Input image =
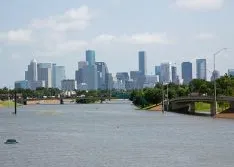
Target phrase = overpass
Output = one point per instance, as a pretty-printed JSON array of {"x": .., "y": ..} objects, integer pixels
[{"x": 188, "y": 103}]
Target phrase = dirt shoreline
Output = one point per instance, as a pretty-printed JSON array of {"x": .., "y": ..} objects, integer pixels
[{"x": 156, "y": 108}]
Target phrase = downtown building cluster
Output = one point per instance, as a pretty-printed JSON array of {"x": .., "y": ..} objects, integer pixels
[
  {"x": 42, "y": 75},
  {"x": 92, "y": 75}
]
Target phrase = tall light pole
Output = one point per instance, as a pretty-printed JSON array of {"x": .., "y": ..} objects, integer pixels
[
  {"x": 162, "y": 98},
  {"x": 167, "y": 98},
  {"x": 215, "y": 88}
]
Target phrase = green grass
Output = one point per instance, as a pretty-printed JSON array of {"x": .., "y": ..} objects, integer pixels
[
  {"x": 148, "y": 107},
  {"x": 7, "y": 103},
  {"x": 200, "y": 106}
]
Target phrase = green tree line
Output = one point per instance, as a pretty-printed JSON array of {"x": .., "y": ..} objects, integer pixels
[{"x": 149, "y": 96}]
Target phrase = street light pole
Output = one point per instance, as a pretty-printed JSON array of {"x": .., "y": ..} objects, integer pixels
[
  {"x": 215, "y": 87},
  {"x": 167, "y": 98},
  {"x": 162, "y": 98}
]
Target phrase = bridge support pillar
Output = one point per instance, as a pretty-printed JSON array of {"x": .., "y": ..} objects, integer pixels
[
  {"x": 192, "y": 108},
  {"x": 213, "y": 108}
]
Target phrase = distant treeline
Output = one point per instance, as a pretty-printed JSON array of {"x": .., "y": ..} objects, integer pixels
[{"x": 149, "y": 96}]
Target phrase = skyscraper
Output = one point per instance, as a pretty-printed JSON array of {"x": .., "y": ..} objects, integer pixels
[
  {"x": 166, "y": 73},
  {"x": 80, "y": 75},
  {"x": 90, "y": 77},
  {"x": 90, "y": 57},
  {"x": 174, "y": 74},
  {"x": 142, "y": 62},
  {"x": 81, "y": 64},
  {"x": 157, "y": 70},
  {"x": 58, "y": 74},
  {"x": 90, "y": 71},
  {"x": 109, "y": 81},
  {"x": 201, "y": 69},
  {"x": 44, "y": 72},
  {"x": 187, "y": 72},
  {"x": 102, "y": 71},
  {"x": 31, "y": 73}
]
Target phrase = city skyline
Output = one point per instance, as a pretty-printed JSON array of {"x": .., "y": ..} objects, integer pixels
[
  {"x": 186, "y": 31},
  {"x": 52, "y": 74}
]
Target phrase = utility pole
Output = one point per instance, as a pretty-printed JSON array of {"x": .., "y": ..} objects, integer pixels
[
  {"x": 15, "y": 102},
  {"x": 215, "y": 87},
  {"x": 162, "y": 98},
  {"x": 167, "y": 98}
]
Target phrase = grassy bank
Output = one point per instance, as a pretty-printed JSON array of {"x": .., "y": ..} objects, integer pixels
[
  {"x": 200, "y": 106},
  {"x": 7, "y": 103}
]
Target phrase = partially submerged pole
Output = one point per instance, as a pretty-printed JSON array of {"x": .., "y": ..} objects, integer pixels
[{"x": 15, "y": 103}]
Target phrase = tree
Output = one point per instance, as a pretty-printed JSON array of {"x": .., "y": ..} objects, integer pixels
[{"x": 153, "y": 95}]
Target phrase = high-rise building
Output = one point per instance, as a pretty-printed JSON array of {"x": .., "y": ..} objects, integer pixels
[
  {"x": 90, "y": 57},
  {"x": 80, "y": 75},
  {"x": 21, "y": 84},
  {"x": 165, "y": 74},
  {"x": 201, "y": 69},
  {"x": 187, "y": 72},
  {"x": 82, "y": 64},
  {"x": 215, "y": 75},
  {"x": 102, "y": 71},
  {"x": 109, "y": 81},
  {"x": 33, "y": 85},
  {"x": 90, "y": 77},
  {"x": 134, "y": 75},
  {"x": 124, "y": 76},
  {"x": 44, "y": 72},
  {"x": 69, "y": 85},
  {"x": 58, "y": 74},
  {"x": 157, "y": 70},
  {"x": 90, "y": 71},
  {"x": 142, "y": 62},
  {"x": 174, "y": 74},
  {"x": 31, "y": 73},
  {"x": 231, "y": 72}
]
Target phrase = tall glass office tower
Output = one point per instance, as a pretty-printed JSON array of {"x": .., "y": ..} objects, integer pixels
[
  {"x": 142, "y": 62},
  {"x": 90, "y": 57},
  {"x": 201, "y": 69},
  {"x": 187, "y": 72}
]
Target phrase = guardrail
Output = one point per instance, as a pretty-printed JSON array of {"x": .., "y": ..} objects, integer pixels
[{"x": 203, "y": 98}]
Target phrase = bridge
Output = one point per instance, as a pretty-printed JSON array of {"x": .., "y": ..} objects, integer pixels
[{"x": 188, "y": 103}]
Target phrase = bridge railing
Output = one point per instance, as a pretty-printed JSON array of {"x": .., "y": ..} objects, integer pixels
[{"x": 204, "y": 98}]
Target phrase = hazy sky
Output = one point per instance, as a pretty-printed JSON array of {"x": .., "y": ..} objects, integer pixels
[{"x": 61, "y": 30}]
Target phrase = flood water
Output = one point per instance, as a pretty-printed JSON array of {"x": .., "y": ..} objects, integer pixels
[{"x": 112, "y": 135}]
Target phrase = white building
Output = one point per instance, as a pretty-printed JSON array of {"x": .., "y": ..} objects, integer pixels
[
  {"x": 165, "y": 73},
  {"x": 69, "y": 85}
]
